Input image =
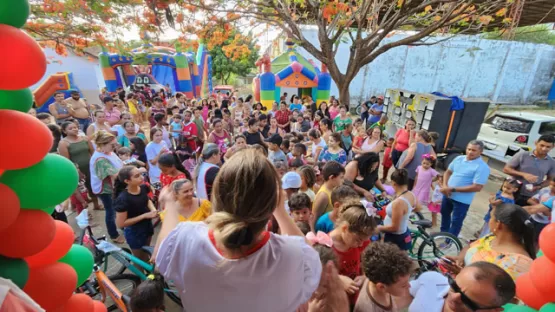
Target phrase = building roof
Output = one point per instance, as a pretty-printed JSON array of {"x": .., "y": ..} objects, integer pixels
[{"x": 283, "y": 60}]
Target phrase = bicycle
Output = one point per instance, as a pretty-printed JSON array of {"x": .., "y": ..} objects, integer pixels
[
  {"x": 114, "y": 297},
  {"x": 421, "y": 239},
  {"x": 441, "y": 243},
  {"x": 101, "y": 259},
  {"x": 134, "y": 264}
]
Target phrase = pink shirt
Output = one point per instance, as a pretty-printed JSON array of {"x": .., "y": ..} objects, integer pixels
[
  {"x": 402, "y": 137},
  {"x": 333, "y": 112},
  {"x": 113, "y": 116}
]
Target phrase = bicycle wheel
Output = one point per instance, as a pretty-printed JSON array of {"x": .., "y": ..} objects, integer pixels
[
  {"x": 358, "y": 110},
  {"x": 447, "y": 244},
  {"x": 125, "y": 283}
]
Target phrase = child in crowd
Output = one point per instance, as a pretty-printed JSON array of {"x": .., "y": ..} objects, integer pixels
[
  {"x": 149, "y": 295},
  {"x": 189, "y": 130},
  {"x": 299, "y": 207},
  {"x": 274, "y": 152},
  {"x": 134, "y": 210},
  {"x": 124, "y": 153},
  {"x": 172, "y": 169},
  {"x": 138, "y": 150},
  {"x": 176, "y": 127},
  {"x": 541, "y": 208},
  {"x": 437, "y": 197},
  {"x": 350, "y": 237},
  {"x": 333, "y": 174},
  {"x": 387, "y": 162},
  {"x": 299, "y": 150},
  {"x": 295, "y": 164},
  {"x": 425, "y": 175},
  {"x": 285, "y": 144},
  {"x": 506, "y": 194},
  {"x": 308, "y": 178},
  {"x": 339, "y": 195},
  {"x": 80, "y": 196},
  {"x": 290, "y": 183},
  {"x": 387, "y": 269}
]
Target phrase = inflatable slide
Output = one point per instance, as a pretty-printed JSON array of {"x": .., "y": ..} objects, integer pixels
[{"x": 44, "y": 94}]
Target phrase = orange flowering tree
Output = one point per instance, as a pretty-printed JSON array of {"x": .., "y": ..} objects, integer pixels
[
  {"x": 80, "y": 24},
  {"x": 367, "y": 26},
  {"x": 77, "y": 24}
]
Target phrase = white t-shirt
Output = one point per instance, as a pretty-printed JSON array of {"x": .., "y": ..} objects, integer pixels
[
  {"x": 152, "y": 150},
  {"x": 278, "y": 277},
  {"x": 121, "y": 131},
  {"x": 321, "y": 144},
  {"x": 429, "y": 292}
]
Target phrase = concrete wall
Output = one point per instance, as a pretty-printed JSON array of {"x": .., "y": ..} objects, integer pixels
[
  {"x": 466, "y": 66},
  {"x": 86, "y": 74}
]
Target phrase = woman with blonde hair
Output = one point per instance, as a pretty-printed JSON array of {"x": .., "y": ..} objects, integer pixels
[
  {"x": 231, "y": 256},
  {"x": 104, "y": 166}
]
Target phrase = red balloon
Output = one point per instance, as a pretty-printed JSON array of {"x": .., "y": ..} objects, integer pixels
[
  {"x": 60, "y": 245},
  {"x": 99, "y": 306},
  {"x": 77, "y": 302},
  {"x": 547, "y": 237},
  {"x": 23, "y": 61},
  {"x": 51, "y": 285},
  {"x": 526, "y": 292},
  {"x": 31, "y": 232},
  {"x": 10, "y": 206},
  {"x": 32, "y": 143},
  {"x": 542, "y": 275}
]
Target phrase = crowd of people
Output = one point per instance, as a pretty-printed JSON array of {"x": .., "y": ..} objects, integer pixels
[{"x": 273, "y": 206}]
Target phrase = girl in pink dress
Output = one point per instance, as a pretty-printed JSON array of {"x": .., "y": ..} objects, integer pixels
[{"x": 425, "y": 175}]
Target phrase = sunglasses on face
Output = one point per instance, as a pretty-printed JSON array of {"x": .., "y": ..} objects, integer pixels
[{"x": 473, "y": 306}]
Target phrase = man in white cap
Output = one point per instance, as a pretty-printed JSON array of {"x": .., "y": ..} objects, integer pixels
[{"x": 291, "y": 183}]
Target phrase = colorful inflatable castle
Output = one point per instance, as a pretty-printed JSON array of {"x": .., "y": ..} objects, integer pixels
[
  {"x": 58, "y": 82},
  {"x": 290, "y": 70},
  {"x": 186, "y": 72}
]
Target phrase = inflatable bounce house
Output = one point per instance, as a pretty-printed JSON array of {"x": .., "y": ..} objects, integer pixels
[
  {"x": 290, "y": 70},
  {"x": 44, "y": 94},
  {"x": 186, "y": 72}
]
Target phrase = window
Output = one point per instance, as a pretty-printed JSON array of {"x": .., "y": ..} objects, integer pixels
[
  {"x": 510, "y": 124},
  {"x": 547, "y": 128}
]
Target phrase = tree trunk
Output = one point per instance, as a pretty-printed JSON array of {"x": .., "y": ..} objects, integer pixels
[
  {"x": 344, "y": 94},
  {"x": 226, "y": 79}
]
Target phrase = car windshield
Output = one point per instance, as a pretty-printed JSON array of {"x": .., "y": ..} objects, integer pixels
[{"x": 510, "y": 124}]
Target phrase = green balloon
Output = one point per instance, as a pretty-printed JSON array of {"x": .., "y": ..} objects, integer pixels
[
  {"x": 15, "y": 270},
  {"x": 81, "y": 260},
  {"x": 14, "y": 12},
  {"x": 539, "y": 254},
  {"x": 548, "y": 307},
  {"x": 45, "y": 184},
  {"x": 509, "y": 307},
  {"x": 19, "y": 100}
]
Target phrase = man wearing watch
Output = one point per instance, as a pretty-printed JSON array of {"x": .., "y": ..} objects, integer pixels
[{"x": 466, "y": 175}]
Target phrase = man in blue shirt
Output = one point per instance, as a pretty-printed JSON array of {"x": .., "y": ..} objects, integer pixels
[
  {"x": 466, "y": 175},
  {"x": 376, "y": 111}
]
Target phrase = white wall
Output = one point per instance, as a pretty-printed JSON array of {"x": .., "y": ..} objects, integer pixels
[
  {"x": 466, "y": 66},
  {"x": 86, "y": 74}
]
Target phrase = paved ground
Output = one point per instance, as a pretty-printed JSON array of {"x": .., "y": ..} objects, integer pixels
[{"x": 472, "y": 223}]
